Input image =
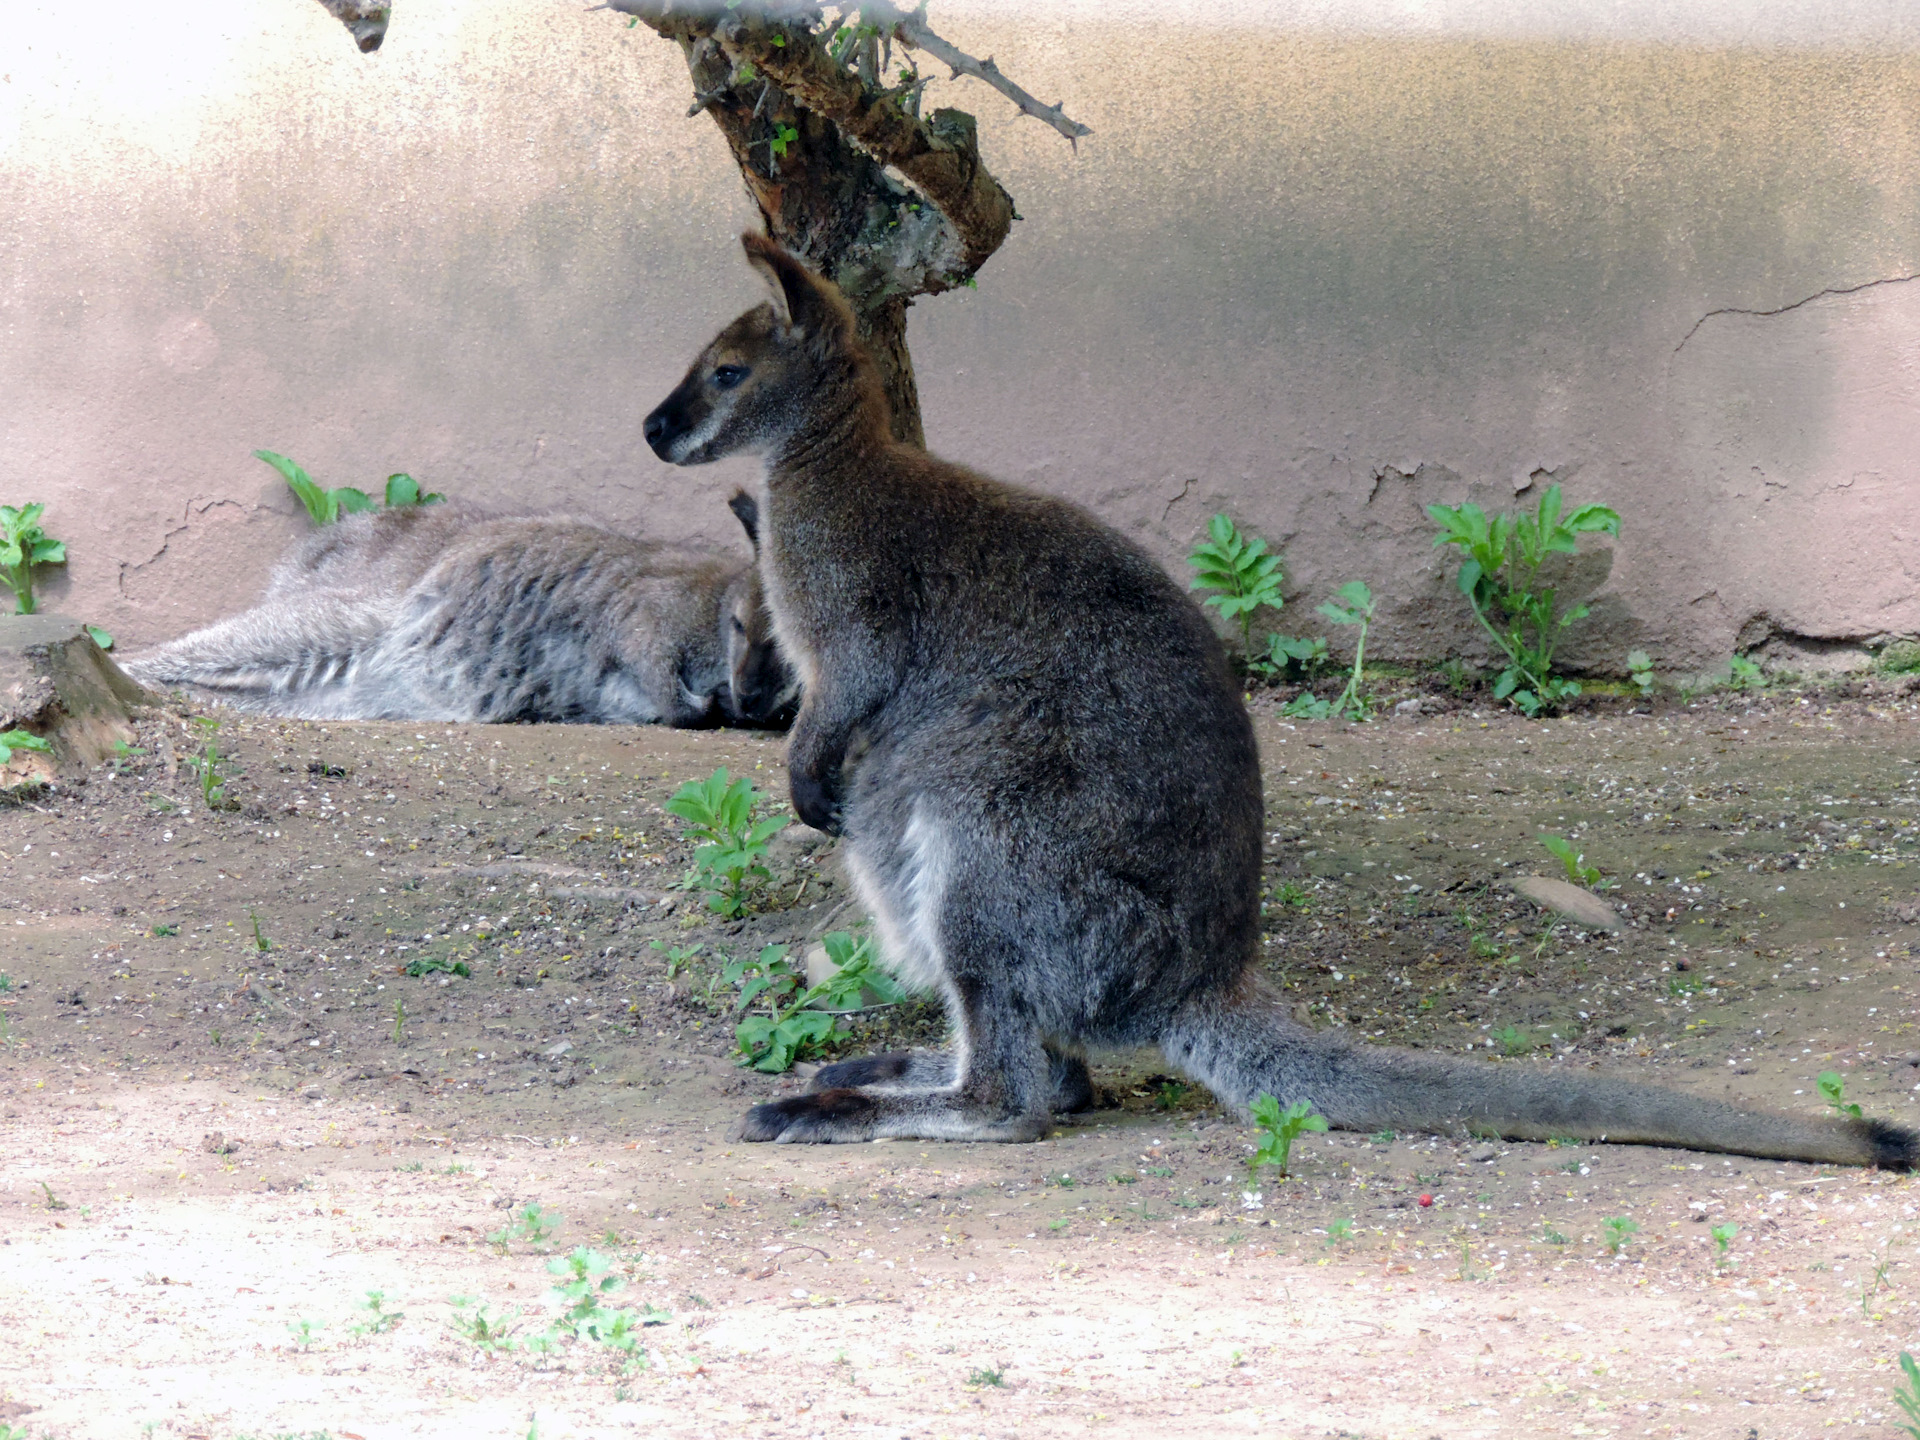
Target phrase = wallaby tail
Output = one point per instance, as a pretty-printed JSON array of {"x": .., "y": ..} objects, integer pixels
[
  {"x": 298, "y": 658},
  {"x": 1242, "y": 1045}
]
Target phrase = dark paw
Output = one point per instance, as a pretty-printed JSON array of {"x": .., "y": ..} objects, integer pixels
[
  {"x": 825, "y": 1118},
  {"x": 1071, "y": 1085},
  {"x": 815, "y": 803},
  {"x": 868, "y": 1070}
]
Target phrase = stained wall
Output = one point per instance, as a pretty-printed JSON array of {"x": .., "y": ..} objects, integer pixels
[{"x": 1315, "y": 267}]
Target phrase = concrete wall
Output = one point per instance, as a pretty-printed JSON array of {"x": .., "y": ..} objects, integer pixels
[{"x": 1311, "y": 272}]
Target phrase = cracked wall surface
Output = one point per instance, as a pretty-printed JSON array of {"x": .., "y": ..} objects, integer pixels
[{"x": 1317, "y": 275}]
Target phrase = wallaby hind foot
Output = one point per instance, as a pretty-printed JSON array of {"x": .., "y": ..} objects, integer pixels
[{"x": 1069, "y": 1086}]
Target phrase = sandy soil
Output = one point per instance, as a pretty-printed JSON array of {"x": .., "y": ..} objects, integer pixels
[{"x": 207, "y": 1143}]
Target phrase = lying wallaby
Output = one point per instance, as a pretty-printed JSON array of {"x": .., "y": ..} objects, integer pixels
[
  {"x": 441, "y": 612},
  {"x": 1050, "y": 790}
]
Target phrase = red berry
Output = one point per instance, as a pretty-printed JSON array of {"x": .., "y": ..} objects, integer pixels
[{"x": 1425, "y": 1201}]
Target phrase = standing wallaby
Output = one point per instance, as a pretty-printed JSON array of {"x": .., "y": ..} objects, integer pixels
[
  {"x": 1050, "y": 792},
  {"x": 440, "y": 612}
]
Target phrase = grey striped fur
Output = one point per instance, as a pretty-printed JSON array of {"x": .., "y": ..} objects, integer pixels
[{"x": 445, "y": 612}]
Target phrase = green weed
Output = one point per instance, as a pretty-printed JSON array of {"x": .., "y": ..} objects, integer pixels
[
  {"x": 1301, "y": 658},
  {"x": 378, "y": 1320},
  {"x": 163, "y": 932},
  {"x": 399, "y": 1022},
  {"x": 1640, "y": 671},
  {"x": 1276, "y": 1127},
  {"x": 1160, "y": 1172},
  {"x": 209, "y": 767},
  {"x": 1722, "y": 1240},
  {"x": 1168, "y": 1094},
  {"x": 534, "y": 1224},
  {"x": 983, "y": 1378},
  {"x": 102, "y": 638},
  {"x": 472, "y": 1323},
  {"x": 679, "y": 957},
  {"x": 1060, "y": 1224},
  {"x": 1744, "y": 674},
  {"x": 1578, "y": 871},
  {"x": 1291, "y": 896},
  {"x": 438, "y": 965},
  {"x": 1500, "y": 578},
  {"x": 1383, "y": 1137},
  {"x": 798, "y": 1017},
  {"x": 1338, "y": 1230},
  {"x": 23, "y": 545},
  {"x": 1352, "y": 605},
  {"x": 1619, "y": 1231},
  {"x": 324, "y": 507},
  {"x": 720, "y": 814},
  {"x": 12, "y": 740},
  {"x": 584, "y": 1284},
  {"x": 1833, "y": 1090},
  {"x": 1907, "y": 1396},
  {"x": 1512, "y": 1040},
  {"x": 1120, "y": 1177},
  {"x": 304, "y": 1332},
  {"x": 1550, "y": 1235},
  {"x": 1684, "y": 985},
  {"x": 1239, "y": 572},
  {"x": 261, "y": 944}
]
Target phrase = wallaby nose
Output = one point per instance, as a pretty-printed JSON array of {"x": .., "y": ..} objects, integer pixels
[{"x": 655, "y": 430}]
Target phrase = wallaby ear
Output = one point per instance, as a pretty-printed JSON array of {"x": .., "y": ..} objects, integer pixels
[
  {"x": 801, "y": 299},
  {"x": 747, "y": 510}
]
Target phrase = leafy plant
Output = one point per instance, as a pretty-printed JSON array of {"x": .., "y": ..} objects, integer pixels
[
  {"x": 1907, "y": 1396},
  {"x": 304, "y": 1332},
  {"x": 1640, "y": 670},
  {"x": 104, "y": 639},
  {"x": 798, "y": 1017},
  {"x": 679, "y": 957},
  {"x": 472, "y": 1323},
  {"x": 1338, "y": 1230},
  {"x": 12, "y": 740},
  {"x": 1578, "y": 871},
  {"x": 1276, "y": 1127},
  {"x": 399, "y": 1022},
  {"x": 1290, "y": 895},
  {"x": 1168, "y": 1094},
  {"x": 987, "y": 1377},
  {"x": 534, "y": 1224},
  {"x": 261, "y": 944},
  {"x": 324, "y": 506},
  {"x": 1239, "y": 572},
  {"x": 585, "y": 1283},
  {"x": 209, "y": 767},
  {"x": 1722, "y": 1239},
  {"x": 720, "y": 813},
  {"x": 1352, "y": 605},
  {"x": 23, "y": 545},
  {"x": 379, "y": 1320},
  {"x": 1500, "y": 578},
  {"x": 1745, "y": 674},
  {"x": 437, "y": 965},
  {"x": 1550, "y": 1235},
  {"x": 1619, "y": 1231},
  {"x": 1512, "y": 1040},
  {"x": 1287, "y": 654},
  {"x": 1833, "y": 1090}
]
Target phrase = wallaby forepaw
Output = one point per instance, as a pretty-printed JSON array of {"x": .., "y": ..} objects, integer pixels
[
  {"x": 825, "y": 1117},
  {"x": 867, "y": 1070},
  {"x": 1894, "y": 1146}
]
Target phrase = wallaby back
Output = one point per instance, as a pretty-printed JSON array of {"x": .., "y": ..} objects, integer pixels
[
  {"x": 444, "y": 612},
  {"x": 1049, "y": 787}
]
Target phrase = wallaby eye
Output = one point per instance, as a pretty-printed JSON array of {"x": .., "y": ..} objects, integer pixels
[
  {"x": 738, "y": 627},
  {"x": 725, "y": 377}
]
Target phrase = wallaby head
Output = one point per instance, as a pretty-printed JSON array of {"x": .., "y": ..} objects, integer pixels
[
  {"x": 761, "y": 683},
  {"x": 771, "y": 372}
]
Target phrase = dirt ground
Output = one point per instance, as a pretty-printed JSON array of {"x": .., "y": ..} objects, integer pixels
[{"x": 227, "y": 1114}]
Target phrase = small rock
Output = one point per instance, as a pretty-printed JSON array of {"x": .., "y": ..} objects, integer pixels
[
  {"x": 1484, "y": 1153},
  {"x": 1582, "y": 907},
  {"x": 556, "y": 1051},
  {"x": 1415, "y": 706},
  {"x": 214, "y": 1143}
]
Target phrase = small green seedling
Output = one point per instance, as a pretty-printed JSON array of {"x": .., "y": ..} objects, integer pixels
[
  {"x": 6, "y": 982},
  {"x": 124, "y": 755},
  {"x": 584, "y": 1284},
  {"x": 1291, "y": 896},
  {"x": 1722, "y": 1240},
  {"x": 1512, "y": 1040},
  {"x": 1120, "y": 1177},
  {"x": 162, "y": 932},
  {"x": 1619, "y": 1231},
  {"x": 261, "y": 944},
  {"x": 1833, "y": 1090},
  {"x": 1500, "y": 578},
  {"x": 720, "y": 812},
  {"x": 1353, "y": 604},
  {"x": 12, "y": 740},
  {"x": 1301, "y": 658},
  {"x": 1169, "y": 1094},
  {"x": 534, "y": 1224},
  {"x": 1338, "y": 1230},
  {"x": 304, "y": 1332},
  {"x": 1907, "y": 1396},
  {"x": 1550, "y": 1235},
  {"x": 379, "y": 1320},
  {"x": 1578, "y": 871},
  {"x": 980, "y": 1379},
  {"x": 437, "y": 965},
  {"x": 1640, "y": 671},
  {"x": 399, "y": 1022},
  {"x": 471, "y": 1322},
  {"x": 1277, "y": 1127},
  {"x": 1239, "y": 572},
  {"x": 679, "y": 957},
  {"x": 1062, "y": 1223},
  {"x": 209, "y": 767},
  {"x": 23, "y": 545},
  {"x": 324, "y": 506},
  {"x": 1746, "y": 675}
]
